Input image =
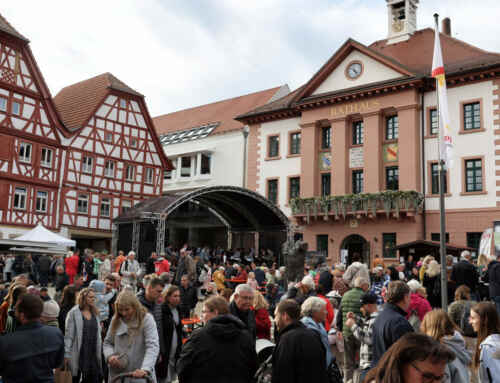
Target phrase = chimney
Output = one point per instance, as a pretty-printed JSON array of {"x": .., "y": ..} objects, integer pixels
[{"x": 446, "y": 26}]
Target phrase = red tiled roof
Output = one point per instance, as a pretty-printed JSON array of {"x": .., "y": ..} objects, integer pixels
[
  {"x": 7, "y": 28},
  {"x": 223, "y": 112},
  {"x": 416, "y": 53},
  {"x": 75, "y": 103}
]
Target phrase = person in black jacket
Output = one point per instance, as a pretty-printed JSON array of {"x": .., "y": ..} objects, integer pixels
[
  {"x": 44, "y": 269},
  {"x": 189, "y": 297},
  {"x": 465, "y": 273},
  {"x": 150, "y": 264},
  {"x": 493, "y": 278},
  {"x": 391, "y": 323},
  {"x": 241, "y": 308},
  {"x": 221, "y": 351},
  {"x": 172, "y": 335},
  {"x": 31, "y": 353},
  {"x": 299, "y": 355}
]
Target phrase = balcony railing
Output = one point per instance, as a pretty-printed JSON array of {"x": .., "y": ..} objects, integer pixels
[{"x": 365, "y": 204}]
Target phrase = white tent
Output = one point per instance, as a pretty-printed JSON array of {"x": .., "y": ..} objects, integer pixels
[{"x": 47, "y": 237}]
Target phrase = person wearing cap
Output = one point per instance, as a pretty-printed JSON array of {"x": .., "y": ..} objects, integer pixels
[
  {"x": 50, "y": 313},
  {"x": 362, "y": 329}
]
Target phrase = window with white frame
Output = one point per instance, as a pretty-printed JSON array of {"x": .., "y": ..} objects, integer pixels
[
  {"x": 108, "y": 137},
  {"x": 133, "y": 142},
  {"x": 149, "y": 175},
  {"x": 87, "y": 164},
  {"x": 109, "y": 170},
  {"x": 123, "y": 103},
  {"x": 41, "y": 201},
  {"x": 130, "y": 173},
  {"x": 167, "y": 175},
  {"x": 3, "y": 104},
  {"x": 25, "y": 152},
  {"x": 105, "y": 207},
  {"x": 16, "y": 108},
  {"x": 83, "y": 203},
  {"x": 186, "y": 167},
  {"x": 20, "y": 195},
  {"x": 126, "y": 205},
  {"x": 46, "y": 159}
]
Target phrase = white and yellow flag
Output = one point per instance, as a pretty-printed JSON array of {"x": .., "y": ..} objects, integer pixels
[{"x": 445, "y": 141}]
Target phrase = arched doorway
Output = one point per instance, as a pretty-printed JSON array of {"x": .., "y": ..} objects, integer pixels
[{"x": 356, "y": 244}]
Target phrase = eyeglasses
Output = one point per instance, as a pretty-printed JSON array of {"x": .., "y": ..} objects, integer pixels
[{"x": 429, "y": 377}]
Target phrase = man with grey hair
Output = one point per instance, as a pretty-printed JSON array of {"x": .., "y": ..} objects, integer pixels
[
  {"x": 351, "y": 303},
  {"x": 391, "y": 323},
  {"x": 241, "y": 307},
  {"x": 465, "y": 273},
  {"x": 130, "y": 271}
]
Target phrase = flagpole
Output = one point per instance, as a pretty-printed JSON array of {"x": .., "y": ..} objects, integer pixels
[{"x": 442, "y": 216}]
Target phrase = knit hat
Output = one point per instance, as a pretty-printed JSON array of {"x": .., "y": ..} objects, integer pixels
[
  {"x": 368, "y": 298},
  {"x": 50, "y": 309}
]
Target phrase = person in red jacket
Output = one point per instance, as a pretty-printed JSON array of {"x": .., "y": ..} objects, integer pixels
[
  {"x": 71, "y": 263},
  {"x": 262, "y": 320},
  {"x": 418, "y": 302},
  {"x": 242, "y": 274},
  {"x": 162, "y": 265}
]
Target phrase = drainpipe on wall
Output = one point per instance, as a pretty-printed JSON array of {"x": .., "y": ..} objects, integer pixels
[
  {"x": 424, "y": 167},
  {"x": 246, "y": 130}
]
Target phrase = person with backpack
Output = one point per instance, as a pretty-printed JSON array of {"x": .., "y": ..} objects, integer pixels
[
  {"x": 438, "y": 325},
  {"x": 419, "y": 305}
]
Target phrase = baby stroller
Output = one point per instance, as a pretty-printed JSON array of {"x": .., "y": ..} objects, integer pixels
[{"x": 264, "y": 350}]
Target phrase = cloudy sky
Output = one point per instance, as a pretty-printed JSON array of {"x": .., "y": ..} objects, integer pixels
[{"x": 184, "y": 53}]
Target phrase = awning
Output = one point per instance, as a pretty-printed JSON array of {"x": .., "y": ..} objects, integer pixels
[{"x": 41, "y": 250}]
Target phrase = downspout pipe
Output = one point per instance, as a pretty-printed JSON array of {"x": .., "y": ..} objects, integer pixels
[
  {"x": 246, "y": 130},
  {"x": 424, "y": 167}
]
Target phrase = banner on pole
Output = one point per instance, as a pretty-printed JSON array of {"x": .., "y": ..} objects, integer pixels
[
  {"x": 445, "y": 141},
  {"x": 485, "y": 243}
]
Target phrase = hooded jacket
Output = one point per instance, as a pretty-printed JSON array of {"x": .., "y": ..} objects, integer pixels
[
  {"x": 420, "y": 305},
  {"x": 458, "y": 370},
  {"x": 220, "y": 352},
  {"x": 489, "y": 367}
]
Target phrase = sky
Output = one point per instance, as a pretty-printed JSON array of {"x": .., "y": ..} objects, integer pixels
[{"x": 185, "y": 53}]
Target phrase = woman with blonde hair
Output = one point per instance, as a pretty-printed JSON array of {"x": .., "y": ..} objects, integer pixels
[
  {"x": 131, "y": 344},
  {"x": 438, "y": 325},
  {"x": 262, "y": 320},
  {"x": 82, "y": 339},
  {"x": 7, "y": 308},
  {"x": 425, "y": 263},
  {"x": 432, "y": 282}
]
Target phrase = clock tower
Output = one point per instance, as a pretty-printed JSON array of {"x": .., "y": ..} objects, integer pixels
[{"x": 402, "y": 19}]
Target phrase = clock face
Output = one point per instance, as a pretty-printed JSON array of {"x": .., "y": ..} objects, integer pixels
[{"x": 354, "y": 70}]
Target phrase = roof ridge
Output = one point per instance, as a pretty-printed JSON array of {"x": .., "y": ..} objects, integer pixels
[
  {"x": 8, "y": 28},
  {"x": 221, "y": 101}
]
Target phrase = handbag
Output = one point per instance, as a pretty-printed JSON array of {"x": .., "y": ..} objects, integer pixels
[
  {"x": 334, "y": 373},
  {"x": 63, "y": 375}
]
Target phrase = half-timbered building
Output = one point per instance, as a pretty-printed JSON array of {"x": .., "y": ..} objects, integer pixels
[
  {"x": 114, "y": 156},
  {"x": 76, "y": 161},
  {"x": 31, "y": 151}
]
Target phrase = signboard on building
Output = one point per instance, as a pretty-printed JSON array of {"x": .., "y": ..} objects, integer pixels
[
  {"x": 390, "y": 152},
  {"x": 356, "y": 158},
  {"x": 325, "y": 161}
]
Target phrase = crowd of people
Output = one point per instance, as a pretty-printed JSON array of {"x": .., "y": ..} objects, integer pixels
[{"x": 200, "y": 315}]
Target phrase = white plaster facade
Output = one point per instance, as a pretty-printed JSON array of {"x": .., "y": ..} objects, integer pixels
[{"x": 226, "y": 153}]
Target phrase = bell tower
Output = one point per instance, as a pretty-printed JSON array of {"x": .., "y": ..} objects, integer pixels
[{"x": 402, "y": 19}]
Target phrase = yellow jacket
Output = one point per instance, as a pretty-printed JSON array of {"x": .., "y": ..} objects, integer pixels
[{"x": 219, "y": 279}]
